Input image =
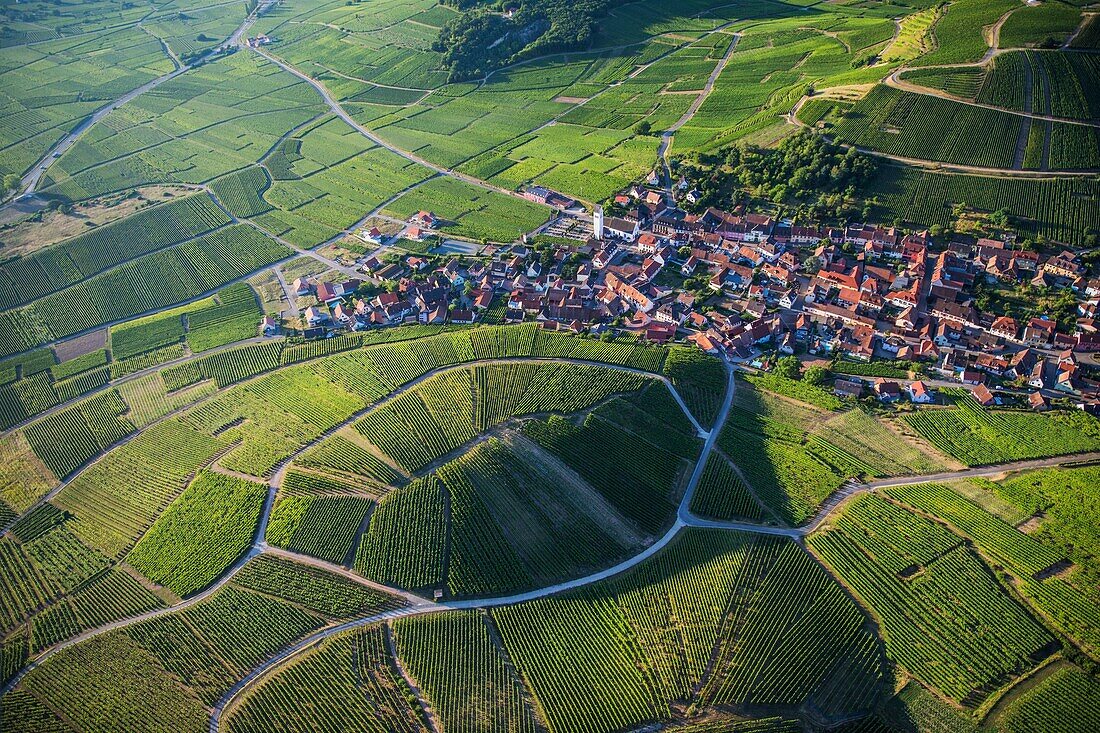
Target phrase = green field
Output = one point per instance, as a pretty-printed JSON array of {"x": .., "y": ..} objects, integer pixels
[{"x": 543, "y": 527}]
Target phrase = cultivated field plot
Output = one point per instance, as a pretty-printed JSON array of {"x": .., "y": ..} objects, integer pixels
[
  {"x": 946, "y": 618},
  {"x": 512, "y": 529},
  {"x": 471, "y": 212},
  {"x": 1061, "y": 84},
  {"x": 1062, "y": 209},
  {"x": 977, "y": 436},
  {"x": 808, "y": 452}
]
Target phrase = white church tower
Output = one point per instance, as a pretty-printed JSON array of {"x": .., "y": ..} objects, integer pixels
[{"x": 597, "y": 223}]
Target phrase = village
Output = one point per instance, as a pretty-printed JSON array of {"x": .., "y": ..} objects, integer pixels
[{"x": 893, "y": 315}]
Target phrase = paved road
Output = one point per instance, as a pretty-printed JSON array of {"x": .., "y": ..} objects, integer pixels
[
  {"x": 33, "y": 177},
  {"x": 416, "y": 603},
  {"x": 343, "y": 115}
]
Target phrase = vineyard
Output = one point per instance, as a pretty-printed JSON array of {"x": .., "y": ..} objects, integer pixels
[
  {"x": 349, "y": 682},
  {"x": 463, "y": 674},
  {"x": 208, "y": 527},
  {"x": 977, "y": 436},
  {"x": 944, "y": 616},
  {"x": 722, "y": 494},
  {"x": 1060, "y": 210},
  {"x": 916, "y": 126},
  {"x": 673, "y": 609},
  {"x": 483, "y": 528}
]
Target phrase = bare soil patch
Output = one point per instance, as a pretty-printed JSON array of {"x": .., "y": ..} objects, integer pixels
[
  {"x": 571, "y": 100},
  {"x": 81, "y": 345},
  {"x": 30, "y": 235}
]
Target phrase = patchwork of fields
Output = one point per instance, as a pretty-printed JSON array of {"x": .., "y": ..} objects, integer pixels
[{"x": 511, "y": 528}]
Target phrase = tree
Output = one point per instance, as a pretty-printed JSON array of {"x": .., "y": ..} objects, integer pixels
[
  {"x": 999, "y": 218},
  {"x": 816, "y": 375},
  {"x": 789, "y": 367},
  {"x": 643, "y": 128},
  {"x": 11, "y": 182}
]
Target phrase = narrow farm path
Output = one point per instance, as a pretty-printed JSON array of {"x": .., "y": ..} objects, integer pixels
[{"x": 667, "y": 135}]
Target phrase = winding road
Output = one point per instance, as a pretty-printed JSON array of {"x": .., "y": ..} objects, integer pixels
[
  {"x": 33, "y": 177},
  {"x": 414, "y": 604}
]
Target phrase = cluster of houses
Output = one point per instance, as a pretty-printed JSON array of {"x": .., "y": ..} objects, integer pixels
[{"x": 745, "y": 284}]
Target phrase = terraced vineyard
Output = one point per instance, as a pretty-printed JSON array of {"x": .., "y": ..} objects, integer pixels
[{"x": 421, "y": 523}]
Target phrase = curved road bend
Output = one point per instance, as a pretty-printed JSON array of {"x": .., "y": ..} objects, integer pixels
[
  {"x": 388, "y": 397},
  {"x": 259, "y": 544},
  {"x": 428, "y": 607},
  {"x": 347, "y": 118}
]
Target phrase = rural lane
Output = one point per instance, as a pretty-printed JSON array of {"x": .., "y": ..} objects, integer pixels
[
  {"x": 667, "y": 135},
  {"x": 259, "y": 544}
]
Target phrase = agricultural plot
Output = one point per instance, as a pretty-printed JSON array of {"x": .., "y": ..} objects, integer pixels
[
  {"x": 915, "y": 126},
  {"x": 349, "y": 682},
  {"x": 1061, "y": 210},
  {"x": 322, "y": 526},
  {"x": 449, "y": 409},
  {"x": 464, "y": 675},
  {"x": 518, "y": 521},
  {"x": 145, "y": 284},
  {"x": 775, "y": 62},
  {"x": 961, "y": 33},
  {"x": 672, "y": 607},
  {"x": 231, "y": 316},
  {"x": 944, "y": 616},
  {"x": 788, "y": 458},
  {"x": 49, "y": 87},
  {"x": 977, "y": 436},
  {"x": 242, "y": 191},
  {"x": 214, "y": 120},
  {"x": 315, "y": 589},
  {"x": 271, "y": 417},
  {"x": 722, "y": 494},
  {"x": 700, "y": 381},
  {"x": 23, "y": 475},
  {"x": 326, "y": 178},
  {"x": 201, "y": 533},
  {"x": 1029, "y": 559},
  {"x": 65, "y": 440},
  {"x": 48, "y": 270},
  {"x": 184, "y": 661},
  {"x": 404, "y": 544},
  {"x": 112, "y": 595},
  {"x": 471, "y": 212},
  {"x": 1048, "y": 24},
  {"x": 117, "y": 498},
  {"x": 639, "y": 479},
  {"x": 1061, "y": 700},
  {"x": 1002, "y": 541},
  {"x": 884, "y": 450}
]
